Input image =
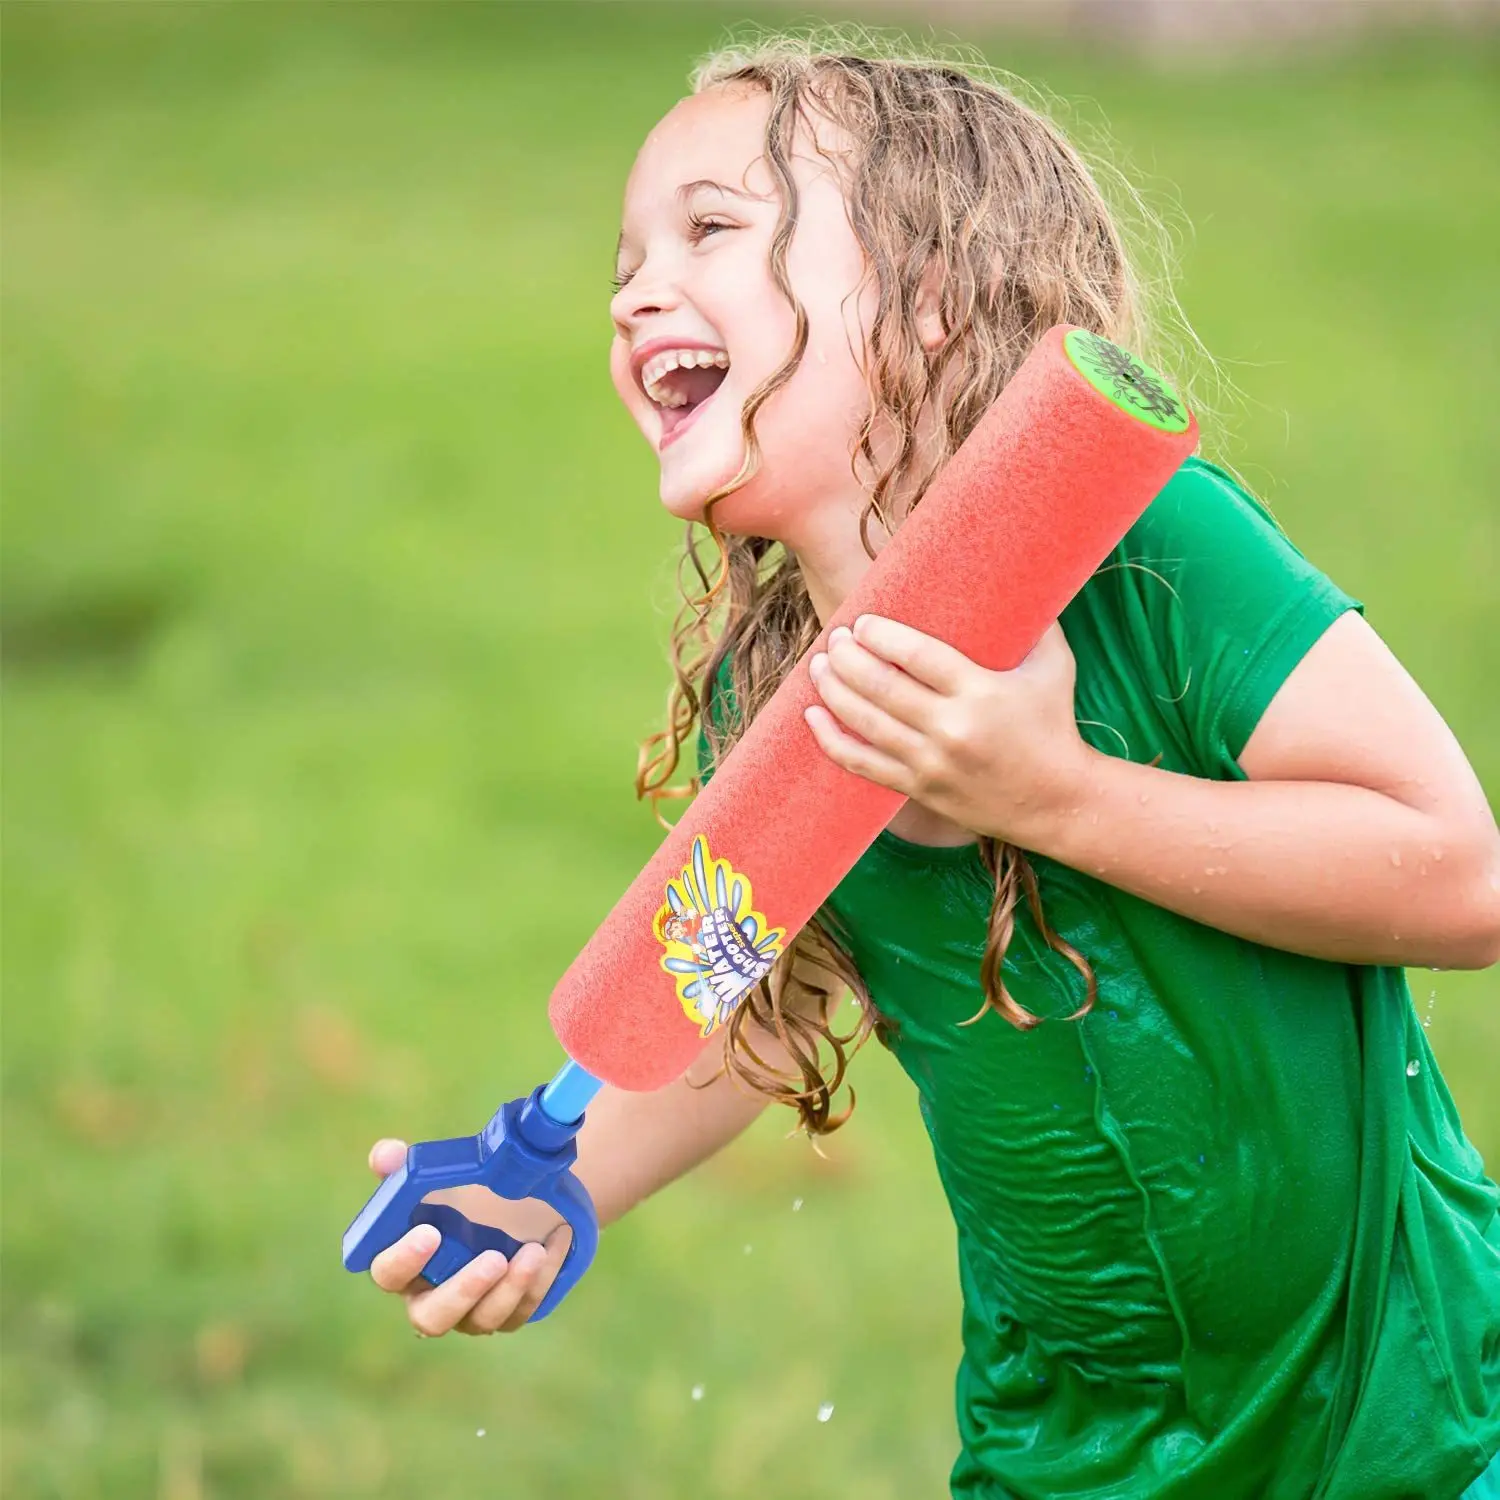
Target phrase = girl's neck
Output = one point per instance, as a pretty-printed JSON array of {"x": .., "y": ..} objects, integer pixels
[
  {"x": 828, "y": 548},
  {"x": 826, "y": 597},
  {"x": 824, "y": 534},
  {"x": 833, "y": 566}
]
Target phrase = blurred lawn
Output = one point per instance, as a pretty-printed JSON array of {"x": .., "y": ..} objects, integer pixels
[{"x": 336, "y": 599}]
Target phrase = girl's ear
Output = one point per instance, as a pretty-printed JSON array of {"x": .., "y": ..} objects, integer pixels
[{"x": 928, "y": 310}]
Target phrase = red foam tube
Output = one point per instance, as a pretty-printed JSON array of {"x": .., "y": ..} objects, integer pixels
[{"x": 1037, "y": 497}]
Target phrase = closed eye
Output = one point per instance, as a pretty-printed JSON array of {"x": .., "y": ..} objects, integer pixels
[{"x": 699, "y": 229}]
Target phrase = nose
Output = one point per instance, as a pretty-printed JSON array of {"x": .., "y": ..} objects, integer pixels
[{"x": 649, "y": 291}]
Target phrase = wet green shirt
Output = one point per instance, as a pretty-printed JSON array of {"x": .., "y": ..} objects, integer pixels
[{"x": 1223, "y": 1239}]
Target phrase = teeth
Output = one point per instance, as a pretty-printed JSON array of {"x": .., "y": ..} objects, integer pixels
[{"x": 660, "y": 365}]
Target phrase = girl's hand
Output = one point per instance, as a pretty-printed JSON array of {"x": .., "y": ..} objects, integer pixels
[
  {"x": 487, "y": 1296},
  {"x": 996, "y": 752}
]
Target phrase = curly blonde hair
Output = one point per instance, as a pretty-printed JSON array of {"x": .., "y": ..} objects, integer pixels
[{"x": 947, "y": 162}]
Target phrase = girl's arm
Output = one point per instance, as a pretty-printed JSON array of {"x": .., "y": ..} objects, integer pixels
[
  {"x": 631, "y": 1145},
  {"x": 1362, "y": 836}
]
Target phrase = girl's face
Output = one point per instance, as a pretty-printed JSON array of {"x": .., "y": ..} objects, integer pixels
[{"x": 700, "y": 211}]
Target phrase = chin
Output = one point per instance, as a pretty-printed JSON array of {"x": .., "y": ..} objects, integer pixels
[
  {"x": 756, "y": 508},
  {"x": 688, "y": 479},
  {"x": 748, "y": 511},
  {"x": 685, "y": 499}
]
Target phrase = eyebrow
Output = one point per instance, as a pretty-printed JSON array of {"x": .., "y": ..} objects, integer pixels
[{"x": 687, "y": 190}]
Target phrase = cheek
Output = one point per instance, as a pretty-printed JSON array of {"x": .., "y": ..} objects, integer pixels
[
  {"x": 830, "y": 380},
  {"x": 619, "y": 373},
  {"x": 824, "y": 268},
  {"x": 820, "y": 409}
]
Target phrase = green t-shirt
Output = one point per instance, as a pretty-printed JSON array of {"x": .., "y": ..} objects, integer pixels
[{"x": 1223, "y": 1238}]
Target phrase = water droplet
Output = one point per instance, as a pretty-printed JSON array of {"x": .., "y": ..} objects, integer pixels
[
  {"x": 1200, "y": 1158},
  {"x": 1057, "y": 1106},
  {"x": 480, "y": 1433},
  {"x": 747, "y": 1249},
  {"x": 1145, "y": 797},
  {"x": 1413, "y": 1067},
  {"x": 1197, "y": 890},
  {"x": 825, "y": 1411},
  {"x": 697, "y": 1393},
  {"x": 796, "y": 1205},
  {"x": 1396, "y": 857},
  {"x": 1114, "y": 1015},
  {"x": 1437, "y": 854}
]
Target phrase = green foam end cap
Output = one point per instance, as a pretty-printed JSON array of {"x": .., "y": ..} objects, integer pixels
[{"x": 1133, "y": 386}]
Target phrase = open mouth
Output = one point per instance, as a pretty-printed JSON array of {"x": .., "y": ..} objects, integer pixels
[
  {"x": 680, "y": 383},
  {"x": 676, "y": 419}
]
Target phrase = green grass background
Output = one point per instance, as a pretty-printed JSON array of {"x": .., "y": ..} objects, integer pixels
[{"x": 336, "y": 597}]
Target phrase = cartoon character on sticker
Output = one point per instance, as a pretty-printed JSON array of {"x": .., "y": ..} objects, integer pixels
[{"x": 718, "y": 946}]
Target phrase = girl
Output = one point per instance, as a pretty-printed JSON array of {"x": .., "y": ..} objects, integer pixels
[{"x": 1138, "y": 936}]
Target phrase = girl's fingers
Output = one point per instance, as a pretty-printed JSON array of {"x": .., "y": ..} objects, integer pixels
[
  {"x": 440, "y": 1308},
  {"x": 883, "y": 683},
  {"x": 929, "y": 660},
  {"x": 398, "y": 1265},
  {"x": 510, "y": 1305},
  {"x": 867, "y": 719},
  {"x": 510, "y": 1302},
  {"x": 855, "y": 755},
  {"x": 386, "y": 1156},
  {"x": 555, "y": 1253},
  {"x": 555, "y": 1247}
]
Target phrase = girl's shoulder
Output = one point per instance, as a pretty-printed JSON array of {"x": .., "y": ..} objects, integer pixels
[
  {"x": 1209, "y": 604},
  {"x": 1205, "y": 506},
  {"x": 1206, "y": 559}
]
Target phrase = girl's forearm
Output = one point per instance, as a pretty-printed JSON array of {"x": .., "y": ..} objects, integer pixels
[
  {"x": 1331, "y": 870},
  {"x": 633, "y": 1144}
]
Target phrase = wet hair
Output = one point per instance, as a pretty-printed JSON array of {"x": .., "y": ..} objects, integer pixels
[{"x": 944, "y": 163}]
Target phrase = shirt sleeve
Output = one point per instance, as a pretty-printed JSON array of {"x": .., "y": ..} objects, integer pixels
[
  {"x": 705, "y": 769},
  {"x": 718, "y": 700},
  {"x": 1244, "y": 606}
]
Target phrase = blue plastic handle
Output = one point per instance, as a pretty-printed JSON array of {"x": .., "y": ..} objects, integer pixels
[{"x": 522, "y": 1153}]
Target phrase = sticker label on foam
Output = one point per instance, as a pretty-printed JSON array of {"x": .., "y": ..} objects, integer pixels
[{"x": 718, "y": 946}]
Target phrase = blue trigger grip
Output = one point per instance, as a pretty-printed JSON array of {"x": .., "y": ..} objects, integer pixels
[
  {"x": 522, "y": 1153},
  {"x": 462, "y": 1240}
]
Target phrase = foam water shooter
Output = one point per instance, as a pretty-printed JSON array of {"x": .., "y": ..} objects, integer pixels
[{"x": 1081, "y": 440}]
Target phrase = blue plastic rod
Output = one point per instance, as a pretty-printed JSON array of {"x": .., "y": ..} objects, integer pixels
[{"x": 569, "y": 1094}]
